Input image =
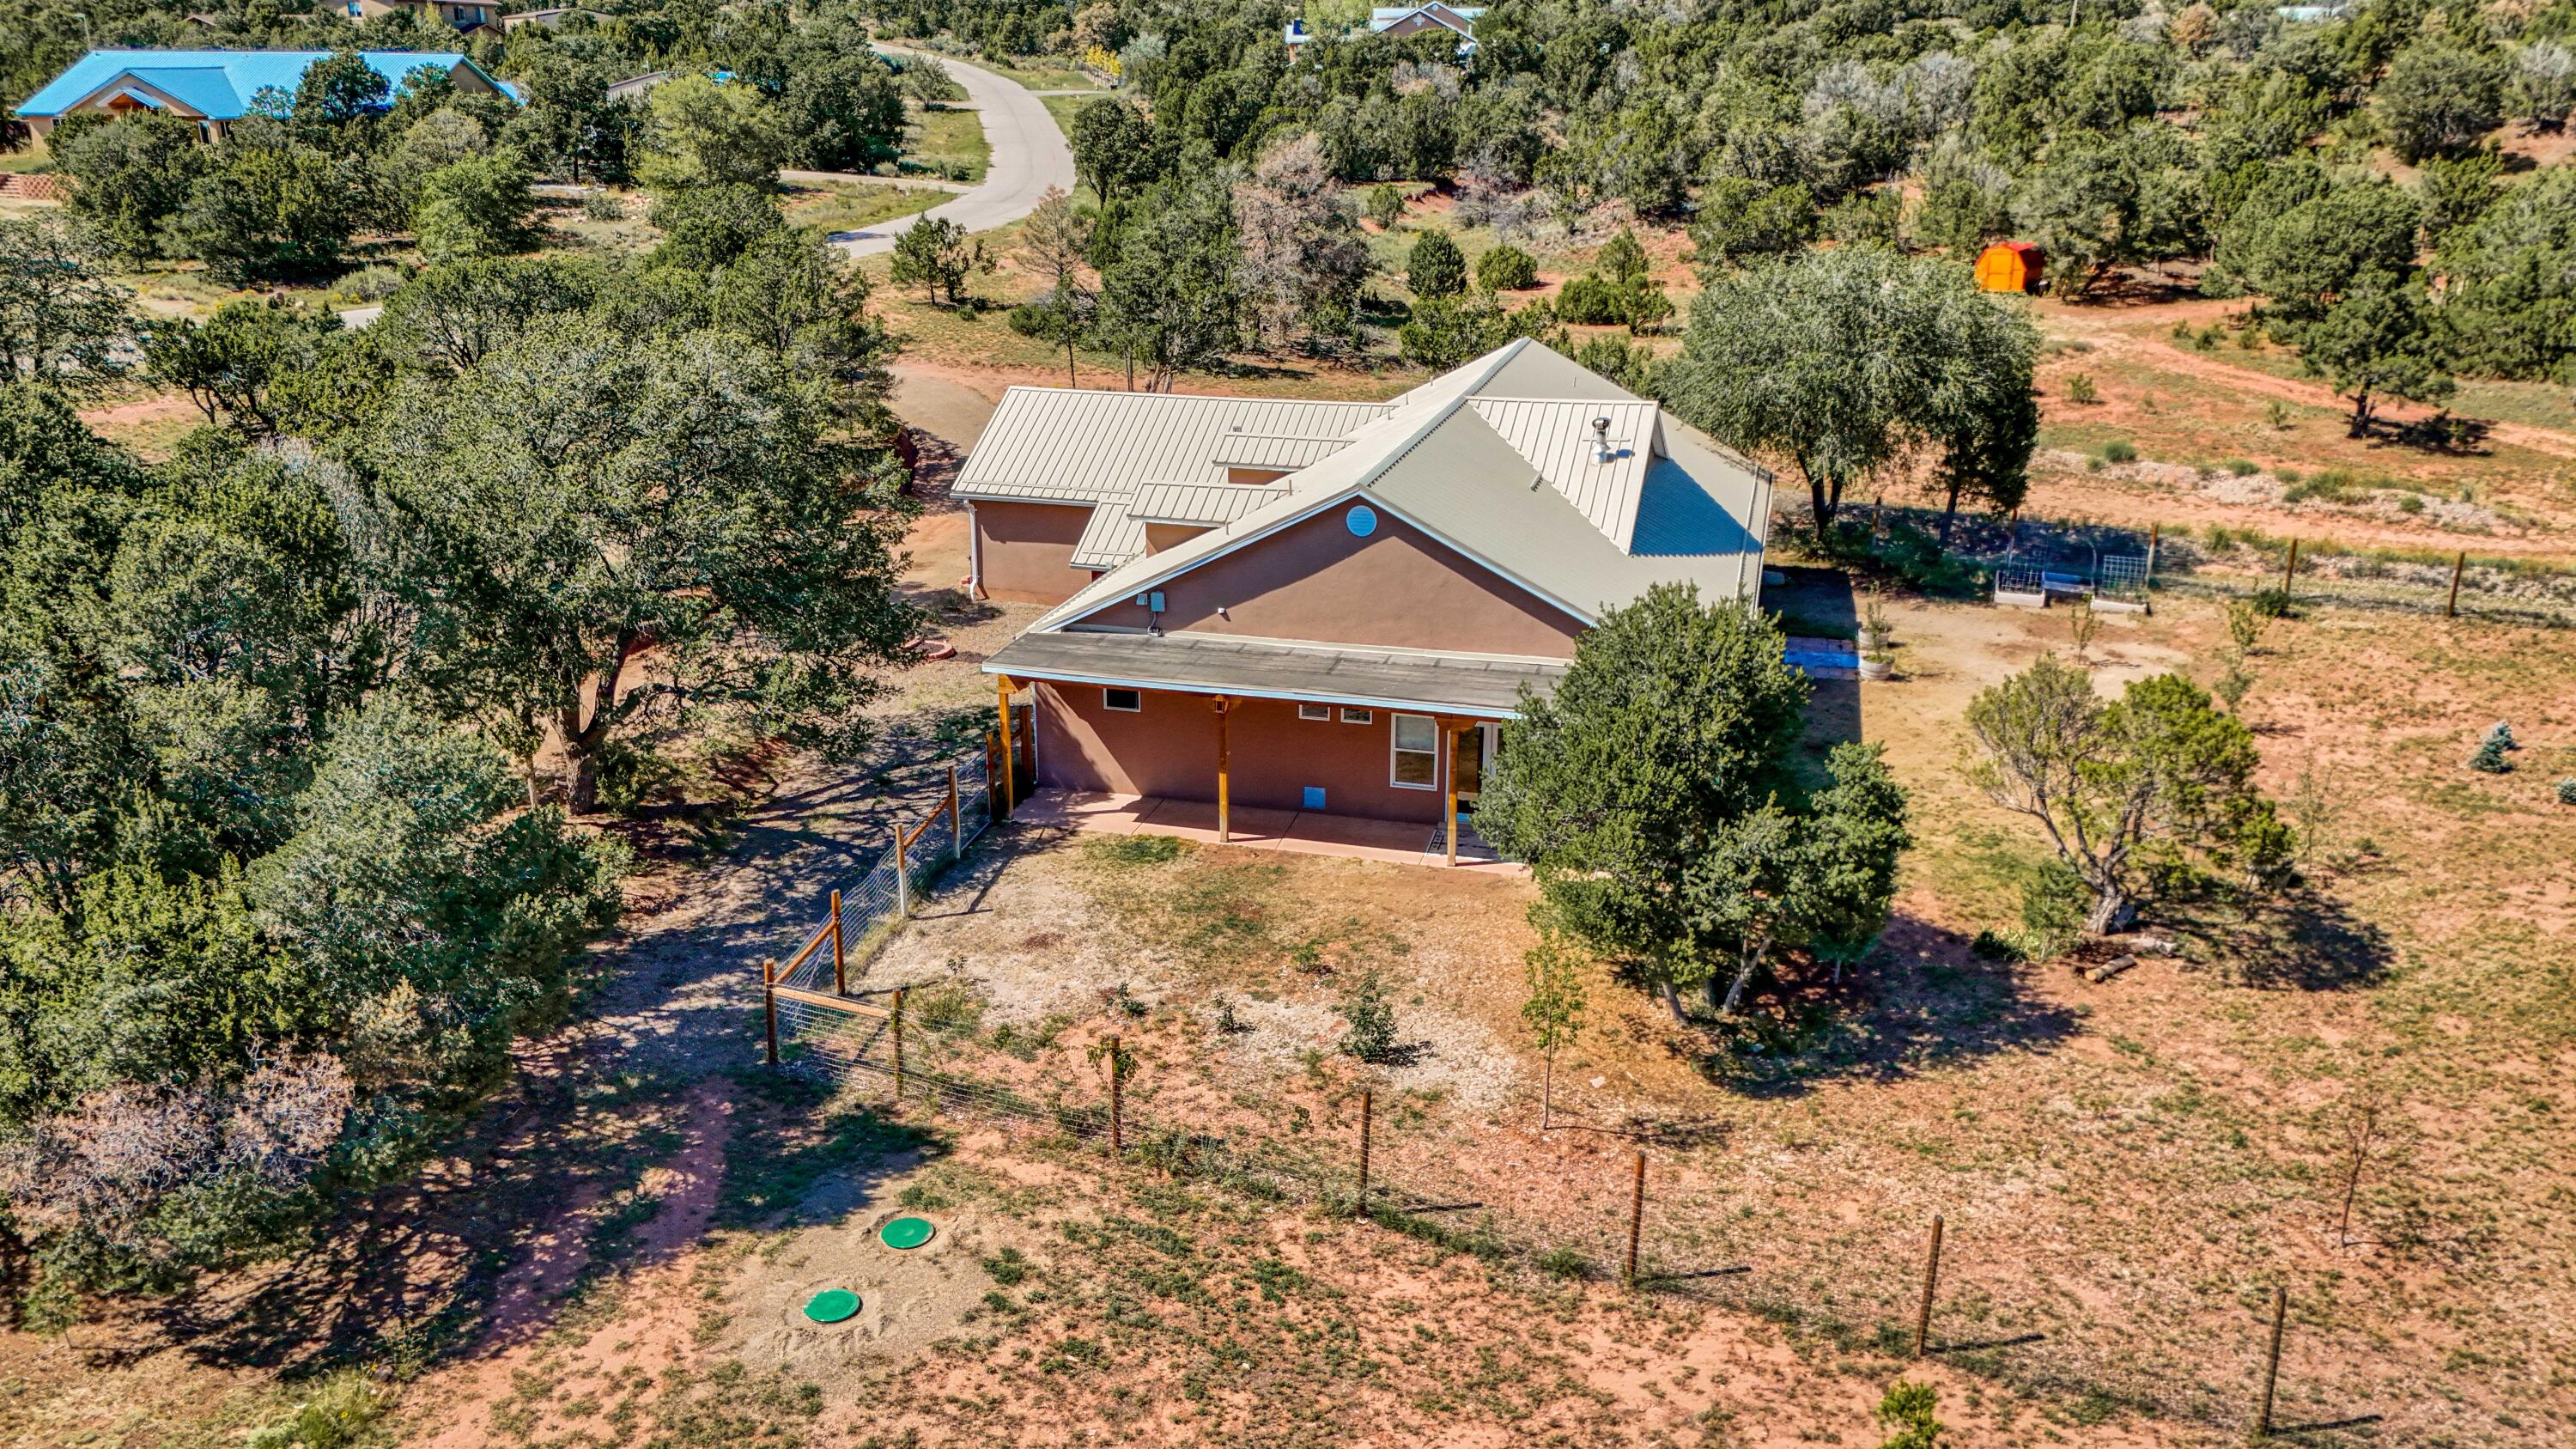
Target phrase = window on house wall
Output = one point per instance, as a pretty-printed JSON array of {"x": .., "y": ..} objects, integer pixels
[
  {"x": 1125, "y": 701},
  {"x": 1416, "y": 764},
  {"x": 1314, "y": 711},
  {"x": 1359, "y": 716}
]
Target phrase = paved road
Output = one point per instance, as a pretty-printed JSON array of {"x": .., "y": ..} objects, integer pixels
[{"x": 1029, "y": 155}]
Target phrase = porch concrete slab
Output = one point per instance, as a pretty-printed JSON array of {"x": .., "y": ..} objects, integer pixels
[
  {"x": 1301, "y": 832},
  {"x": 1196, "y": 820}
]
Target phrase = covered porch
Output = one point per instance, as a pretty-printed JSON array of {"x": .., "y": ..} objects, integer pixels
[
  {"x": 1327, "y": 749},
  {"x": 1296, "y": 832}
]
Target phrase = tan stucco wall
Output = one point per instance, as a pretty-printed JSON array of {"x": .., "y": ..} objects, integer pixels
[
  {"x": 1397, "y": 588},
  {"x": 1027, "y": 550},
  {"x": 1169, "y": 749}
]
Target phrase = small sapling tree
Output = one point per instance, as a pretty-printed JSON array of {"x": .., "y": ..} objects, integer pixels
[
  {"x": 1554, "y": 1010},
  {"x": 1370, "y": 1019}
]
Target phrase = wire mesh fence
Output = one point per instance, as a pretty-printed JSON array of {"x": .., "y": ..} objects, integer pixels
[{"x": 864, "y": 910}]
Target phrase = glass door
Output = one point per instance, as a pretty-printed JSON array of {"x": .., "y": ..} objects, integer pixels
[{"x": 1476, "y": 746}]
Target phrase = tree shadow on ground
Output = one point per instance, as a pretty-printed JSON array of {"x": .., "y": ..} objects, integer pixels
[
  {"x": 1921, "y": 1001},
  {"x": 2299, "y": 940},
  {"x": 542, "y": 1198},
  {"x": 539, "y": 1209}
]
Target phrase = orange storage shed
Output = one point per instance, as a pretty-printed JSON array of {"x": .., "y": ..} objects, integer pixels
[{"x": 2009, "y": 267}]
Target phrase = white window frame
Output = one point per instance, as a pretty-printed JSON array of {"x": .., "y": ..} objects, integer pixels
[
  {"x": 1358, "y": 716},
  {"x": 1109, "y": 702},
  {"x": 1395, "y": 751},
  {"x": 1315, "y": 711}
]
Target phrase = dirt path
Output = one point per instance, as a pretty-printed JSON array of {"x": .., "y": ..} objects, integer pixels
[{"x": 2118, "y": 333}]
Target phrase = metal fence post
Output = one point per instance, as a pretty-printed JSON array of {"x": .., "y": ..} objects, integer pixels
[
  {"x": 840, "y": 978},
  {"x": 1367, "y": 1102},
  {"x": 956, "y": 815},
  {"x": 1117, "y": 1101},
  {"x": 1636, "y": 1218},
  {"x": 902, "y": 875},
  {"x": 769, "y": 1004},
  {"x": 1931, "y": 1276}
]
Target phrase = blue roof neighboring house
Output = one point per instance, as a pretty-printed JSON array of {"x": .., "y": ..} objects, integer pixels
[{"x": 218, "y": 85}]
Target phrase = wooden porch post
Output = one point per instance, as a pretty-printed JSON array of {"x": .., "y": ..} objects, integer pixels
[
  {"x": 1010, "y": 759},
  {"x": 1449, "y": 767},
  {"x": 1224, "y": 772}
]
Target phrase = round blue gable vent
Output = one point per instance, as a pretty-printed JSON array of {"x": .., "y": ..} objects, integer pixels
[{"x": 1362, "y": 519}]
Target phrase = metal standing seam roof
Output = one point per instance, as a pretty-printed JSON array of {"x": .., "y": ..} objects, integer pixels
[
  {"x": 1210, "y": 503},
  {"x": 1557, "y": 438},
  {"x": 1488, "y": 685},
  {"x": 1111, "y": 537},
  {"x": 1102, "y": 442},
  {"x": 1436, "y": 461},
  {"x": 220, "y": 84},
  {"x": 1261, "y": 450}
]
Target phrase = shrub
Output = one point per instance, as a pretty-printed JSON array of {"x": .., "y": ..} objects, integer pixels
[
  {"x": 2567, "y": 791},
  {"x": 1990, "y": 947},
  {"x": 1371, "y": 1020},
  {"x": 2489, "y": 759},
  {"x": 2242, "y": 467},
  {"x": 2276, "y": 413},
  {"x": 2271, "y": 603},
  {"x": 1436, "y": 268},
  {"x": 1506, "y": 269},
  {"x": 1385, "y": 205},
  {"x": 1592, "y": 300},
  {"x": 1907, "y": 1410},
  {"x": 604, "y": 206},
  {"x": 2054, "y": 900},
  {"x": 341, "y": 1411},
  {"x": 2119, "y": 450},
  {"x": 2080, "y": 389}
]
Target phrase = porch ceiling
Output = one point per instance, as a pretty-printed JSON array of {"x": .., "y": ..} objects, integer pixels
[{"x": 1263, "y": 669}]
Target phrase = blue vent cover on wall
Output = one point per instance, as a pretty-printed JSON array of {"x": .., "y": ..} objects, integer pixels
[
  {"x": 1314, "y": 797},
  {"x": 1362, "y": 520}
]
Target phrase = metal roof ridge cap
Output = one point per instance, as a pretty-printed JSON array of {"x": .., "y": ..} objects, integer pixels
[{"x": 1345, "y": 647}]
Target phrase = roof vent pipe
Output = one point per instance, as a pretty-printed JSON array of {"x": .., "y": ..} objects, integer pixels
[{"x": 1601, "y": 452}]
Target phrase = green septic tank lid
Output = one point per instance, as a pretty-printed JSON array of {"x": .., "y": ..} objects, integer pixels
[
  {"x": 905, "y": 1233},
  {"x": 833, "y": 1305}
]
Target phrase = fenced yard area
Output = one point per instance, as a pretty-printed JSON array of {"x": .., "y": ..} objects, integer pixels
[
  {"x": 2126, "y": 1171},
  {"x": 2028, "y": 559}
]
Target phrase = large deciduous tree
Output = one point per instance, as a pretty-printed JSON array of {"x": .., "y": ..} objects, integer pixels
[
  {"x": 2107, "y": 779},
  {"x": 1846, "y": 361},
  {"x": 61, "y": 320},
  {"x": 1303, "y": 260},
  {"x": 582, "y": 495},
  {"x": 1672, "y": 726}
]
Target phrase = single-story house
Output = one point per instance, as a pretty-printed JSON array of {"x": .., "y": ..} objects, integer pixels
[
  {"x": 215, "y": 88},
  {"x": 466, "y": 15},
  {"x": 1330, "y": 606},
  {"x": 553, "y": 19},
  {"x": 1403, "y": 20},
  {"x": 637, "y": 87}
]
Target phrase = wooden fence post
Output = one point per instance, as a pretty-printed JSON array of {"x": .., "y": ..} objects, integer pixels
[
  {"x": 1117, "y": 1101},
  {"x": 895, "y": 1023},
  {"x": 2291, "y": 567},
  {"x": 769, "y": 1004},
  {"x": 2451, "y": 610},
  {"x": 840, "y": 977},
  {"x": 956, "y": 816},
  {"x": 2155, "y": 531},
  {"x": 1931, "y": 1276},
  {"x": 2272, "y": 1363},
  {"x": 902, "y": 875},
  {"x": 1636, "y": 1218},
  {"x": 1367, "y": 1104}
]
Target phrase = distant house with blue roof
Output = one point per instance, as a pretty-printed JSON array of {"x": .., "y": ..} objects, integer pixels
[{"x": 215, "y": 88}]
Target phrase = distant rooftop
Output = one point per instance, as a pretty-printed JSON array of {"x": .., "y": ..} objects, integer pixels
[{"x": 219, "y": 84}]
